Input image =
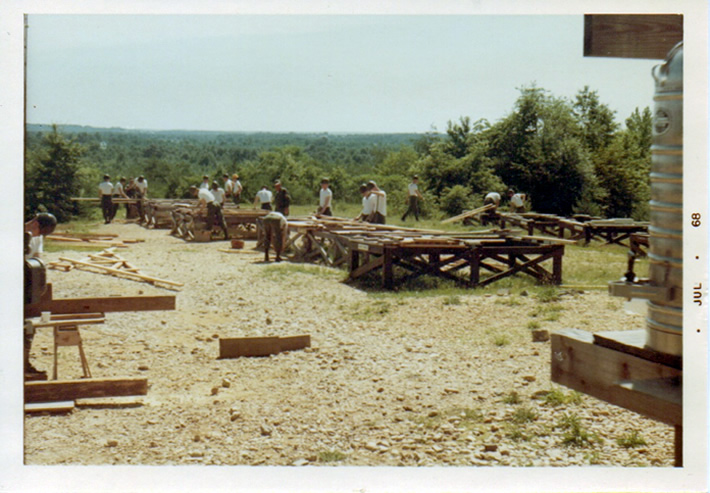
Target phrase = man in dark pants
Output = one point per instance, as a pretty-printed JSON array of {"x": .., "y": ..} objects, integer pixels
[
  {"x": 105, "y": 193},
  {"x": 414, "y": 197},
  {"x": 276, "y": 232},
  {"x": 282, "y": 199},
  {"x": 214, "y": 209}
]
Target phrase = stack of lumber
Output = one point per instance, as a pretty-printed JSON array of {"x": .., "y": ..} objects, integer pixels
[
  {"x": 107, "y": 240},
  {"x": 107, "y": 262},
  {"x": 158, "y": 212},
  {"x": 190, "y": 223}
]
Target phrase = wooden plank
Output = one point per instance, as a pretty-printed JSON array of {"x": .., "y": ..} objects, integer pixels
[
  {"x": 62, "y": 390},
  {"x": 249, "y": 346},
  {"x": 292, "y": 343},
  {"x": 121, "y": 402},
  {"x": 49, "y": 407},
  {"x": 634, "y": 342},
  {"x": 98, "y": 305},
  {"x": 468, "y": 214},
  {"x": 649, "y": 36},
  {"x": 580, "y": 364}
]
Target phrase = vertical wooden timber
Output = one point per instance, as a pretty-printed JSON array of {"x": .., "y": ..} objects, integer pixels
[
  {"x": 388, "y": 268},
  {"x": 557, "y": 265},
  {"x": 475, "y": 267}
]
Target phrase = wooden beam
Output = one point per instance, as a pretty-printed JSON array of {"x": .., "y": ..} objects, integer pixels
[
  {"x": 98, "y": 305},
  {"x": 261, "y": 346},
  {"x": 49, "y": 407},
  {"x": 649, "y": 36},
  {"x": 615, "y": 376},
  {"x": 64, "y": 390}
]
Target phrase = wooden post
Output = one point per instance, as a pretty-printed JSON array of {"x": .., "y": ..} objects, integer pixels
[
  {"x": 557, "y": 266},
  {"x": 475, "y": 266},
  {"x": 387, "y": 269}
]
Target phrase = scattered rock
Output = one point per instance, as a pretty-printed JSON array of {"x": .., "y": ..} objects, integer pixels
[
  {"x": 529, "y": 378},
  {"x": 540, "y": 335},
  {"x": 143, "y": 368},
  {"x": 112, "y": 443},
  {"x": 226, "y": 383},
  {"x": 490, "y": 447},
  {"x": 299, "y": 462},
  {"x": 266, "y": 430}
]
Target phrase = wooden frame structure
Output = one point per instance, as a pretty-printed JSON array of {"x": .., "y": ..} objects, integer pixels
[
  {"x": 617, "y": 367},
  {"x": 460, "y": 257},
  {"x": 189, "y": 223}
]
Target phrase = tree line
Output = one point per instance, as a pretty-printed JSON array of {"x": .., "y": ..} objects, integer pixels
[{"x": 568, "y": 155}]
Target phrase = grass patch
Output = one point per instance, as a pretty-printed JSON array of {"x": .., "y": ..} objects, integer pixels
[
  {"x": 631, "y": 440},
  {"x": 508, "y": 301},
  {"x": 368, "y": 310},
  {"x": 533, "y": 325},
  {"x": 451, "y": 300},
  {"x": 331, "y": 456},
  {"x": 557, "y": 397},
  {"x": 501, "y": 340},
  {"x": 516, "y": 433},
  {"x": 575, "y": 435},
  {"x": 549, "y": 312},
  {"x": 283, "y": 270},
  {"x": 524, "y": 415},
  {"x": 512, "y": 398},
  {"x": 548, "y": 294}
]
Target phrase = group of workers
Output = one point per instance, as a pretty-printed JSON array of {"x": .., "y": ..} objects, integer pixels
[{"x": 136, "y": 188}]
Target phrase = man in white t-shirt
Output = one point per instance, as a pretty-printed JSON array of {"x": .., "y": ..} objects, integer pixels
[
  {"x": 206, "y": 200},
  {"x": 414, "y": 196},
  {"x": 366, "y": 204},
  {"x": 379, "y": 200},
  {"x": 205, "y": 182},
  {"x": 228, "y": 186},
  {"x": 105, "y": 193},
  {"x": 326, "y": 198},
  {"x": 263, "y": 199},
  {"x": 36, "y": 229},
  {"x": 517, "y": 201},
  {"x": 218, "y": 193},
  {"x": 141, "y": 186}
]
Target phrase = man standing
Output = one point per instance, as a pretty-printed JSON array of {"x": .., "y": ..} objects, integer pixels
[
  {"x": 263, "y": 199},
  {"x": 326, "y": 198},
  {"x": 228, "y": 186},
  {"x": 119, "y": 193},
  {"x": 490, "y": 216},
  {"x": 282, "y": 199},
  {"x": 205, "y": 182},
  {"x": 276, "y": 232},
  {"x": 105, "y": 192},
  {"x": 366, "y": 204},
  {"x": 214, "y": 210},
  {"x": 141, "y": 195},
  {"x": 414, "y": 197},
  {"x": 379, "y": 199},
  {"x": 236, "y": 189},
  {"x": 218, "y": 193}
]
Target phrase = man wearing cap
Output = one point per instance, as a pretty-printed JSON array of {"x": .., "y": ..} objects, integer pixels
[
  {"x": 414, "y": 197},
  {"x": 326, "y": 198},
  {"x": 263, "y": 199},
  {"x": 119, "y": 193},
  {"x": 205, "y": 199},
  {"x": 205, "y": 182},
  {"x": 282, "y": 199},
  {"x": 236, "y": 189},
  {"x": 228, "y": 186},
  {"x": 218, "y": 193},
  {"x": 276, "y": 232},
  {"x": 366, "y": 204},
  {"x": 105, "y": 192}
]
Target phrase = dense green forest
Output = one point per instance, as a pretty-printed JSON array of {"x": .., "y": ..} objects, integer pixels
[{"x": 567, "y": 155}]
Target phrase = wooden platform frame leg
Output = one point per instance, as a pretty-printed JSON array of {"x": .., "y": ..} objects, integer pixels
[{"x": 69, "y": 336}]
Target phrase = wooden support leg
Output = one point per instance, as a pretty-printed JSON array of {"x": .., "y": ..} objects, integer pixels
[
  {"x": 388, "y": 269},
  {"x": 557, "y": 267},
  {"x": 475, "y": 266}
]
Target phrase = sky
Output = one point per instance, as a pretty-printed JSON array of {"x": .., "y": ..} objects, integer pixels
[{"x": 311, "y": 73}]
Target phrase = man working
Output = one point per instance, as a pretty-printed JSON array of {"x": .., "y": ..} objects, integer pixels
[
  {"x": 205, "y": 182},
  {"x": 282, "y": 199},
  {"x": 326, "y": 198},
  {"x": 105, "y": 193},
  {"x": 276, "y": 232},
  {"x": 119, "y": 193},
  {"x": 263, "y": 199},
  {"x": 517, "y": 201},
  {"x": 379, "y": 201},
  {"x": 214, "y": 210},
  {"x": 218, "y": 193},
  {"x": 414, "y": 197},
  {"x": 36, "y": 229},
  {"x": 491, "y": 198},
  {"x": 366, "y": 204},
  {"x": 228, "y": 186},
  {"x": 141, "y": 194}
]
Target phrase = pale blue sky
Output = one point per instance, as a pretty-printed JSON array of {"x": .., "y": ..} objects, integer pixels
[{"x": 311, "y": 73}]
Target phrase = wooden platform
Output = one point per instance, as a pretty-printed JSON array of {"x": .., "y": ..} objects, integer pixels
[
  {"x": 190, "y": 223},
  {"x": 470, "y": 259},
  {"x": 616, "y": 367}
]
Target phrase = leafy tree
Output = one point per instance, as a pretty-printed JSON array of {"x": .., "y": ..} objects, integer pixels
[{"x": 52, "y": 177}]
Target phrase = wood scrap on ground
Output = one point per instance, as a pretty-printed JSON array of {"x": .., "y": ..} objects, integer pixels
[
  {"x": 107, "y": 262},
  {"x": 261, "y": 346},
  {"x": 109, "y": 240}
]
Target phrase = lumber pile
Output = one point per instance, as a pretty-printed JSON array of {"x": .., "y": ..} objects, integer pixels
[
  {"x": 190, "y": 223},
  {"x": 108, "y": 262},
  {"x": 157, "y": 213},
  {"x": 97, "y": 239}
]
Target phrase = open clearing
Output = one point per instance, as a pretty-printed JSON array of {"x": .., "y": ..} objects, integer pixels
[{"x": 390, "y": 379}]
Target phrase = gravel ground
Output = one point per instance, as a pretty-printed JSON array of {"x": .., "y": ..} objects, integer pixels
[{"x": 389, "y": 380}]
